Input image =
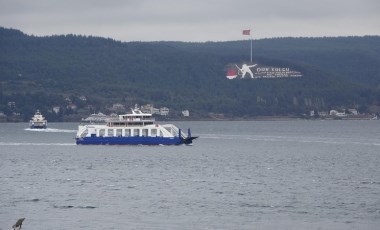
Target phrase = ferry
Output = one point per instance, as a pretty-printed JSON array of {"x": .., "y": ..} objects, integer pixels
[
  {"x": 136, "y": 128},
  {"x": 38, "y": 121}
]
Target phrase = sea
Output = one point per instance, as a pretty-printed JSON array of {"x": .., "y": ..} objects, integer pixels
[{"x": 295, "y": 174}]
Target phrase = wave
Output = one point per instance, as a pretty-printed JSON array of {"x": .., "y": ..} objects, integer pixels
[
  {"x": 72, "y": 206},
  {"x": 32, "y": 144},
  {"x": 292, "y": 139},
  {"x": 50, "y": 130}
]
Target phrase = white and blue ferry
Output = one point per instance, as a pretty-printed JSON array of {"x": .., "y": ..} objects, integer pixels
[
  {"x": 38, "y": 121},
  {"x": 136, "y": 128}
]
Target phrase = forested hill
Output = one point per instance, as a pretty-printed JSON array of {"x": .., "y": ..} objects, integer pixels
[{"x": 44, "y": 72}]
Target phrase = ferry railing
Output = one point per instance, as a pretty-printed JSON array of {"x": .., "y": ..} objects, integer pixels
[{"x": 174, "y": 130}]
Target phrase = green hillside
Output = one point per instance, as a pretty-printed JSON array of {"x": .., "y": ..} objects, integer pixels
[{"x": 43, "y": 72}]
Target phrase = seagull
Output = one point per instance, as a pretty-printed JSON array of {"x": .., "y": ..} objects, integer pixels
[{"x": 18, "y": 224}]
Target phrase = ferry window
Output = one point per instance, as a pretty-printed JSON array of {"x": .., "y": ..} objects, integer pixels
[
  {"x": 145, "y": 132},
  {"x": 84, "y": 134},
  {"x": 110, "y": 132},
  {"x": 127, "y": 132},
  {"x": 153, "y": 132},
  {"x": 136, "y": 132},
  {"x": 102, "y": 132},
  {"x": 119, "y": 132}
]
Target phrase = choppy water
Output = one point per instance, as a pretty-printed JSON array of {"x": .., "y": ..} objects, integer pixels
[{"x": 237, "y": 175}]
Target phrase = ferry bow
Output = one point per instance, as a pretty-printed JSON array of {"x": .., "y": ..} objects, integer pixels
[
  {"x": 38, "y": 121},
  {"x": 136, "y": 128}
]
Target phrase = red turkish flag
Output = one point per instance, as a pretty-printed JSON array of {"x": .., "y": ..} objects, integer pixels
[{"x": 246, "y": 32}]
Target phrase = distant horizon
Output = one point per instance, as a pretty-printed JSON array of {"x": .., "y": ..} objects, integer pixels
[{"x": 248, "y": 38}]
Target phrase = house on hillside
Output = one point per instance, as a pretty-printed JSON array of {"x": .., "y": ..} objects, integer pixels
[
  {"x": 149, "y": 108},
  {"x": 185, "y": 113},
  {"x": 118, "y": 106},
  {"x": 11, "y": 104},
  {"x": 164, "y": 111},
  {"x": 322, "y": 114},
  {"x": 72, "y": 106},
  {"x": 353, "y": 112},
  {"x": 83, "y": 98},
  {"x": 336, "y": 113},
  {"x": 56, "y": 109}
]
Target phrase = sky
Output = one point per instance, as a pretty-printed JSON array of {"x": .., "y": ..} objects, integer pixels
[{"x": 192, "y": 20}]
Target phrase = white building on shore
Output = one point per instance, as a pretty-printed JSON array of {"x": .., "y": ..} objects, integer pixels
[
  {"x": 164, "y": 111},
  {"x": 185, "y": 113}
]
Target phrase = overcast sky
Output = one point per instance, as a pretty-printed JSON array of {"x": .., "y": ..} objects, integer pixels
[{"x": 192, "y": 20}]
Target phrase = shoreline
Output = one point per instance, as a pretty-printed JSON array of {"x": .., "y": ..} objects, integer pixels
[{"x": 260, "y": 118}]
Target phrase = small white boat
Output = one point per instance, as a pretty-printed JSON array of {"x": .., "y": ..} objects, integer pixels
[{"x": 38, "y": 121}]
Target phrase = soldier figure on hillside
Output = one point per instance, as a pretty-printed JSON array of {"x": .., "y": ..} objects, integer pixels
[{"x": 246, "y": 69}]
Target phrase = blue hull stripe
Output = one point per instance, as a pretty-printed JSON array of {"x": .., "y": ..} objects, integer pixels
[
  {"x": 129, "y": 141},
  {"x": 38, "y": 127}
]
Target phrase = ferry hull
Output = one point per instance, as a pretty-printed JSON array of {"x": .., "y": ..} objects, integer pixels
[
  {"x": 130, "y": 141},
  {"x": 38, "y": 126}
]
